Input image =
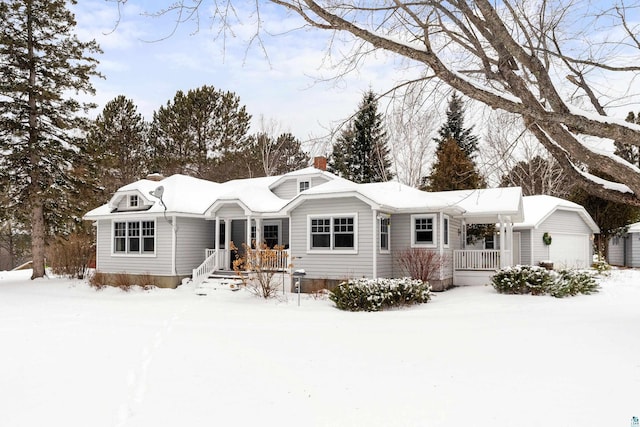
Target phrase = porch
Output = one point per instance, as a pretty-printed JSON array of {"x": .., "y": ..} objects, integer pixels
[
  {"x": 476, "y": 267},
  {"x": 262, "y": 259}
]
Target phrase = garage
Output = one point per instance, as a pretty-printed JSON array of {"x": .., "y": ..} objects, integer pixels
[{"x": 569, "y": 251}]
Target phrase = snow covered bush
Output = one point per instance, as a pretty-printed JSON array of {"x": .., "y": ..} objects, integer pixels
[
  {"x": 573, "y": 282},
  {"x": 526, "y": 279},
  {"x": 522, "y": 279},
  {"x": 375, "y": 295}
]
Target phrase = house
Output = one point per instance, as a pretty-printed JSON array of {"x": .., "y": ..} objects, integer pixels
[
  {"x": 554, "y": 231},
  {"x": 624, "y": 248},
  {"x": 334, "y": 229}
]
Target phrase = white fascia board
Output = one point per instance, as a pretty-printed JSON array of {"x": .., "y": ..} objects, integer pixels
[{"x": 302, "y": 197}]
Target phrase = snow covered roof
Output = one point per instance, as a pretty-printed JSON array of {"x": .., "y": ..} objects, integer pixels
[
  {"x": 390, "y": 196},
  {"x": 485, "y": 205},
  {"x": 182, "y": 194},
  {"x": 539, "y": 208},
  {"x": 634, "y": 228},
  {"x": 253, "y": 194}
]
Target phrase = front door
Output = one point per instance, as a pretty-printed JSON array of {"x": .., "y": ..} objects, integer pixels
[{"x": 271, "y": 234}]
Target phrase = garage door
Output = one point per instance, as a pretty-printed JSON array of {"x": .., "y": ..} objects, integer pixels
[{"x": 569, "y": 250}]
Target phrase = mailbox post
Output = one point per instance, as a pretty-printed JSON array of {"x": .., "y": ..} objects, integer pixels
[{"x": 297, "y": 275}]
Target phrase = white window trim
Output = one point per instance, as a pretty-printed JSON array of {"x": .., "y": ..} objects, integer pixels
[
  {"x": 130, "y": 197},
  {"x": 331, "y": 250},
  {"x": 135, "y": 255},
  {"x": 301, "y": 180},
  {"x": 446, "y": 220},
  {"x": 388, "y": 249},
  {"x": 266, "y": 222},
  {"x": 412, "y": 226}
]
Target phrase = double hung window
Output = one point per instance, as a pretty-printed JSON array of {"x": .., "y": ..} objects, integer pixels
[
  {"x": 134, "y": 237},
  {"x": 423, "y": 230}
]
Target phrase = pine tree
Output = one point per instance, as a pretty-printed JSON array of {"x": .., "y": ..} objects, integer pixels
[
  {"x": 188, "y": 134},
  {"x": 118, "y": 145},
  {"x": 630, "y": 153},
  {"x": 453, "y": 170},
  {"x": 361, "y": 153},
  {"x": 454, "y": 128},
  {"x": 42, "y": 64}
]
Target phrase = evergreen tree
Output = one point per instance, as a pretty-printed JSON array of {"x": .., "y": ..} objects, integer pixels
[
  {"x": 453, "y": 170},
  {"x": 195, "y": 128},
  {"x": 42, "y": 64},
  {"x": 361, "y": 153},
  {"x": 454, "y": 128},
  {"x": 118, "y": 145},
  {"x": 630, "y": 153}
]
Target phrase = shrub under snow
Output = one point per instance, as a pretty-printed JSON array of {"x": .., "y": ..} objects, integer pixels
[
  {"x": 379, "y": 294},
  {"x": 527, "y": 279}
]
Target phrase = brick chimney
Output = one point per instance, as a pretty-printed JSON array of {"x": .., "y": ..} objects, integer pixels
[
  {"x": 155, "y": 176},
  {"x": 320, "y": 162}
]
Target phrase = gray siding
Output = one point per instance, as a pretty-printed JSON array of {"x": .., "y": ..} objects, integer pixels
[
  {"x": 616, "y": 251},
  {"x": 289, "y": 188},
  {"x": 158, "y": 264},
  {"x": 230, "y": 210},
  {"x": 525, "y": 247},
  {"x": 401, "y": 233},
  {"x": 332, "y": 265},
  {"x": 194, "y": 236},
  {"x": 633, "y": 250}
]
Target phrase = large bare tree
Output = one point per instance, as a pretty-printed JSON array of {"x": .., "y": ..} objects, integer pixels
[{"x": 551, "y": 63}]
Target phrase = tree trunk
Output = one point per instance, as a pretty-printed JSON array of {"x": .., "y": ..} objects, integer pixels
[{"x": 37, "y": 240}]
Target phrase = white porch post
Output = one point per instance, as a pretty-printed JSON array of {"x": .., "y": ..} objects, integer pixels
[
  {"x": 441, "y": 242},
  {"x": 248, "y": 239},
  {"x": 216, "y": 243},
  {"x": 376, "y": 244},
  {"x": 503, "y": 260},
  {"x": 258, "y": 233},
  {"x": 510, "y": 242},
  {"x": 227, "y": 244}
]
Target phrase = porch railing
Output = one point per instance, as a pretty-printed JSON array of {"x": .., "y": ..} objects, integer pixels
[
  {"x": 476, "y": 259},
  {"x": 271, "y": 259},
  {"x": 209, "y": 265}
]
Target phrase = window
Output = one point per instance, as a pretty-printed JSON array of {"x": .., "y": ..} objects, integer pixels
[
  {"x": 384, "y": 234},
  {"x": 271, "y": 235},
  {"x": 423, "y": 230},
  {"x": 321, "y": 233},
  {"x": 134, "y": 237},
  {"x": 489, "y": 242},
  {"x": 445, "y": 231},
  {"x": 333, "y": 233},
  {"x": 343, "y": 233},
  {"x": 133, "y": 201},
  {"x": 302, "y": 186}
]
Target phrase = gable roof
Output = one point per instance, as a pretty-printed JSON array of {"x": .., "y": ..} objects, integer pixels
[{"x": 538, "y": 208}]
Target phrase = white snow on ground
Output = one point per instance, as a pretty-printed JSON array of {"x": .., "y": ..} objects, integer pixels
[{"x": 73, "y": 356}]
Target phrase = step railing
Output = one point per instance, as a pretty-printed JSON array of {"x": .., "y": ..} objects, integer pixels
[{"x": 209, "y": 265}]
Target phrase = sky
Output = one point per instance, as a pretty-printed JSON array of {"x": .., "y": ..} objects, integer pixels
[{"x": 281, "y": 78}]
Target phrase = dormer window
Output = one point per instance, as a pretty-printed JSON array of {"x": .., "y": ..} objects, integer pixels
[
  {"x": 302, "y": 186},
  {"x": 133, "y": 201}
]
